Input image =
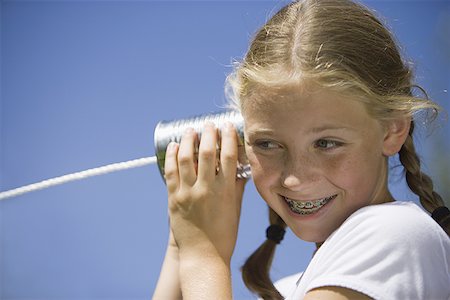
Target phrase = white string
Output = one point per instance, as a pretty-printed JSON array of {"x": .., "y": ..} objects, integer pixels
[{"x": 78, "y": 175}]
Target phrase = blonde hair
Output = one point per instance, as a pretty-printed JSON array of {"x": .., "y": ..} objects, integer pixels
[{"x": 339, "y": 45}]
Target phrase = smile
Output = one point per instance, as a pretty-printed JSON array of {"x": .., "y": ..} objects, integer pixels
[{"x": 308, "y": 207}]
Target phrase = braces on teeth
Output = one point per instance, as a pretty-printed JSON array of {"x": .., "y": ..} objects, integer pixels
[{"x": 307, "y": 207}]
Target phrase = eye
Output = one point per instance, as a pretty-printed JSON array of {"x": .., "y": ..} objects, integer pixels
[
  {"x": 327, "y": 144},
  {"x": 266, "y": 145}
]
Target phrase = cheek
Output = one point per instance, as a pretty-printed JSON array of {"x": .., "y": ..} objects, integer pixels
[
  {"x": 340, "y": 169},
  {"x": 265, "y": 171},
  {"x": 356, "y": 172},
  {"x": 347, "y": 172}
]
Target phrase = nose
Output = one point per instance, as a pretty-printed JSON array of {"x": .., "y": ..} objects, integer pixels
[
  {"x": 291, "y": 182},
  {"x": 298, "y": 174}
]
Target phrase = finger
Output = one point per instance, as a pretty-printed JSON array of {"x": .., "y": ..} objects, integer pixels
[
  {"x": 229, "y": 152},
  {"x": 207, "y": 153},
  {"x": 186, "y": 157},
  {"x": 171, "y": 167}
]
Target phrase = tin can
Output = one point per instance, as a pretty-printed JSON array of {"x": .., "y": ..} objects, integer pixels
[{"x": 172, "y": 131}]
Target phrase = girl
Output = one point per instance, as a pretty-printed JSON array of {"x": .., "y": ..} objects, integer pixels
[{"x": 326, "y": 100}]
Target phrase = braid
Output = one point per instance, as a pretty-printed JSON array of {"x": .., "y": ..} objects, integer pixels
[
  {"x": 256, "y": 270},
  {"x": 420, "y": 183}
]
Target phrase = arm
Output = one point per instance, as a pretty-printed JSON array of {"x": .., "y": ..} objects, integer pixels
[
  {"x": 205, "y": 276},
  {"x": 204, "y": 210},
  {"x": 168, "y": 286}
]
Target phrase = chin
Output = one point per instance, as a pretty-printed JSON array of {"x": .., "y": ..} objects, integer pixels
[{"x": 311, "y": 235}]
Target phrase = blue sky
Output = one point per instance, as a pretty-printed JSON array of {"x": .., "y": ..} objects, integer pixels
[{"x": 83, "y": 84}]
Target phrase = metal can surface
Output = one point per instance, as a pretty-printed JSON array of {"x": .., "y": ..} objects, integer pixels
[{"x": 172, "y": 131}]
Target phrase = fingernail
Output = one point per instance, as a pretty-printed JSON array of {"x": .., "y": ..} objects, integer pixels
[
  {"x": 171, "y": 146},
  {"x": 228, "y": 126},
  {"x": 189, "y": 130},
  {"x": 209, "y": 124}
]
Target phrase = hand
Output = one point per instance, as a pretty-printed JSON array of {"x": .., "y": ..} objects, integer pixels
[{"x": 204, "y": 200}]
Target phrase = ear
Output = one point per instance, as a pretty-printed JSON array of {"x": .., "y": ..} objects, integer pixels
[{"x": 395, "y": 136}]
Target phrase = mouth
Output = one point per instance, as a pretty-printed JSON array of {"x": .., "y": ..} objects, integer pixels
[{"x": 308, "y": 207}]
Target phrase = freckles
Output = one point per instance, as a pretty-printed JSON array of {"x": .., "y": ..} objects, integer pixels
[
  {"x": 349, "y": 164},
  {"x": 343, "y": 170},
  {"x": 261, "y": 163},
  {"x": 264, "y": 172},
  {"x": 338, "y": 164},
  {"x": 355, "y": 174}
]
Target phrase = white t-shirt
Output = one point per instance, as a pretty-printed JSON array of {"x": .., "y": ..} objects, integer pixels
[{"x": 386, "y": 251}]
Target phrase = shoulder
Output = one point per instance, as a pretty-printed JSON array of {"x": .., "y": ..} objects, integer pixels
[
  {"x": 394, "y": 245},
  {"x": 399, "y": 221},
  {"x": 394, "y": 228}
]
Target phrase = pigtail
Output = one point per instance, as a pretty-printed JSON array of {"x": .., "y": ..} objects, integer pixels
[
  {"x": 256, "y": 270},
  {"x": 420, "y": 183}
]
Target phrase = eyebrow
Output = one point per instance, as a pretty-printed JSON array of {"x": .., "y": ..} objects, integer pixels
[
  {"x": 313, "y": 130},
  {"x": 329, "y": 127},
  {"x": 260, "y": 131}
]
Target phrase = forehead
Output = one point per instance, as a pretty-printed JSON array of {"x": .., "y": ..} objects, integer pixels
[{"x": 308, "y": 106}]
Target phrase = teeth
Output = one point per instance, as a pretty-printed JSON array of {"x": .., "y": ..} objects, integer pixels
[{"x": 308, "y": 207}]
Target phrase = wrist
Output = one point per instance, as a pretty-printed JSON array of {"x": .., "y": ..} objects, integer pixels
[
  {"x": 204, "y": 262},
  {"x": 201, "y": 253}
]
